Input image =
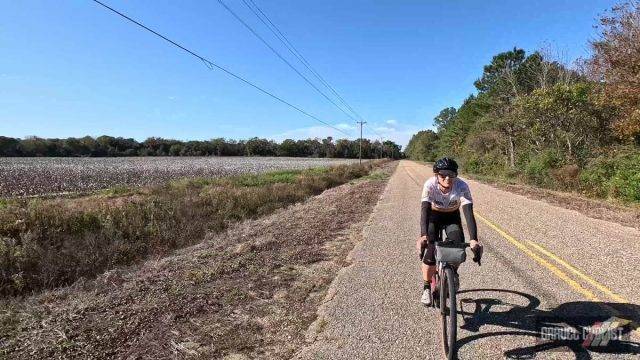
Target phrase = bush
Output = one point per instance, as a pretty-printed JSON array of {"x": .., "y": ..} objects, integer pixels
[
  {"x": 566, "y": 177},
  {"x": 538, "y": 170},
  {"x": 491, "y": 164},
  {"x": 616, "y": 176}
]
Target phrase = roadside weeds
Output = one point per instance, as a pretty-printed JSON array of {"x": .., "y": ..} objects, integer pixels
[
  {"x": 250, "y": 291},
  {"x": 46, "y": 243}
]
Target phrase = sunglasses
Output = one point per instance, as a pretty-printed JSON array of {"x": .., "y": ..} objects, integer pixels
[{"x": 447, "y": 174}]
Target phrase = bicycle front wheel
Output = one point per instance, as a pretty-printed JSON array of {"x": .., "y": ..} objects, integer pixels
[{"x": 449, "y": 313}]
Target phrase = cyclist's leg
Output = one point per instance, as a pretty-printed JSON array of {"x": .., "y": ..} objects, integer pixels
[
  {"x": 429, "y": 257},
  {"x": 453, "y": 227},
  {"x": 454, "y": 231},
  {"x": 427, "y": 265}
]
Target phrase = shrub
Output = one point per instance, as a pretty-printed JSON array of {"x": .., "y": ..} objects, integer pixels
[
  {"x": 489, "y": 164},
  {"x": 538, "y": 170},
  {"x": 566, "y": 177},
  {"x": 616, "y": 176}
]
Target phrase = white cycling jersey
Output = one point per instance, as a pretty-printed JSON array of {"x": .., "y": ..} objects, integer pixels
[{"x": 459, "y": 195}]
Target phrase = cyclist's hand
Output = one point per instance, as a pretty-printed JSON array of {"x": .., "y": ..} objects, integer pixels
[
  {"x": 422, "y": 240},
  {"x": 476, "y": 247}
]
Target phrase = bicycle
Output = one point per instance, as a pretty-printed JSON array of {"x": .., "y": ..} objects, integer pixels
[{"x": 444, "y": 286}]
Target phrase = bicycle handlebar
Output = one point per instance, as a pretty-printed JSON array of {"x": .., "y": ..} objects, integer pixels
[{"x": 477, "y": 254}]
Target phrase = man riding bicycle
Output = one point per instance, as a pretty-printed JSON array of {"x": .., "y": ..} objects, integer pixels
[{"x": 442, "y": 197}]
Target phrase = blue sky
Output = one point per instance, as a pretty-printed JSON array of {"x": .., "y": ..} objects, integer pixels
[{"x": 70, "y": 68}]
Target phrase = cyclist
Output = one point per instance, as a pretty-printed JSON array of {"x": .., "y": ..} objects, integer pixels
[{"x": 442, "y": 197}]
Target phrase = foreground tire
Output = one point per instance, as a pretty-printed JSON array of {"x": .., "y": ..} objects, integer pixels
[{"x": 449, "y": 314}]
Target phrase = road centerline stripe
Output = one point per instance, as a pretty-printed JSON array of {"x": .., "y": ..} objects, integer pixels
[
  {"x": 579, "y": 273},
  {"x": 555, "y": 270}
]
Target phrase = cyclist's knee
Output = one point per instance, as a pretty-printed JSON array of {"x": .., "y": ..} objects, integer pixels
[{"x": 455, "y": 233}]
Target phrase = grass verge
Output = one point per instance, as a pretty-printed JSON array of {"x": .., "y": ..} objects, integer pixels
[{"x": 46, "y": 243}]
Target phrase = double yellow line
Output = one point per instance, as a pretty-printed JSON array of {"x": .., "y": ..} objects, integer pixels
[
  {"x": 635, "y": 334},
  {"x": 555, "y": 269}
]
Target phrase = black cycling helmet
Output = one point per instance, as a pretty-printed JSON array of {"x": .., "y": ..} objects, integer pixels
[{"x": 445, "y": 164}]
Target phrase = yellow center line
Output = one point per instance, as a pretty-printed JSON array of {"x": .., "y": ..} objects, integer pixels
[
  {"x": 635, "y": 334},
  {"x": 579, "y": 273},
  {"x": 406, "y": 168},
  {"x": 556, "y": 271}
]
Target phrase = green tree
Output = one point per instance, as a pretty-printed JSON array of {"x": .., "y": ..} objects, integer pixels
[{"x": 422, "y": 146}]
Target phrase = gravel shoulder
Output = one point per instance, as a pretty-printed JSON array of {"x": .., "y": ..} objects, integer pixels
[{"x": 249, "y": 292}]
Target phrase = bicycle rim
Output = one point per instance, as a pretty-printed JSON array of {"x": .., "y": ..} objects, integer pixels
[{"x": 449, "y": 314}]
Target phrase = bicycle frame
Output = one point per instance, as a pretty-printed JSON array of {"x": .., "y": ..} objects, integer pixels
[{"x": 444, "y": 284}]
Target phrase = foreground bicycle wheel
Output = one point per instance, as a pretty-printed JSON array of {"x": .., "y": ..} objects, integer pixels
[{"x": 449, "y": 313}]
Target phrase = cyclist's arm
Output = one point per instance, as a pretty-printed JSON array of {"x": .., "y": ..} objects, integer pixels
[
  {"x": 425, "y": 210},
  {"x": 425, "y": 214},
  {"x": 467, "y": 210}
]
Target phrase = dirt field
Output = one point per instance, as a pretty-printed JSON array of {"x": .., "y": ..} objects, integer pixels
[{"x": 251, "y": 291}]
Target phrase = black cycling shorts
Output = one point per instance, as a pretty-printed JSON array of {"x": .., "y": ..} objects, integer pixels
[{"x": 452, "y": 225}]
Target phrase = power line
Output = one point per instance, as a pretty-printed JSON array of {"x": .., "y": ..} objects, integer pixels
[
  {"x": 294, "y": 51},
  {"x": 211, "y": 65},
  {"x": 282, "y": 58},
  {"x": 262, "y": 16},
  {"x": 360, "y": 142}
]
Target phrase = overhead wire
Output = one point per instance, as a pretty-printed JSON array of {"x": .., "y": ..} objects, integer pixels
[
  {"x": 260, "y": 14},
  {"x": 275, "y": 30},
  {"x": 264, "y": 18},
  {"x": 266, "y": 43},
  {"x": 211, "y": 65}
]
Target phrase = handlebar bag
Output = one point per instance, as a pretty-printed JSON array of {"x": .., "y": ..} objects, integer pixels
[{"x": 450, "y": 252}]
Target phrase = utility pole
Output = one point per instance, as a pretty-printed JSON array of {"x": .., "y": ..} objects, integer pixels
[{"x": 360, "y": 153}]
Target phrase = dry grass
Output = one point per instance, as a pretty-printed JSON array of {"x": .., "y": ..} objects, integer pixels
[
  {"x": 250, "y": 291},
  {"x": 50, "y": 243}
]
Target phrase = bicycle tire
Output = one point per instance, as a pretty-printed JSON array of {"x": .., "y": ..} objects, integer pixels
[{"x": 449, "y": 313}]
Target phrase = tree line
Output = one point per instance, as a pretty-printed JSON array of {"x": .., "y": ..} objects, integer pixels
[
  {"x": 108, "y": 146},
  {"x": 538, "y": 120}
]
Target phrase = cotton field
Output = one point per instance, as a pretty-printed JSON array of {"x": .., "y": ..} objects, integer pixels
[{"x": 39, "y": 176}]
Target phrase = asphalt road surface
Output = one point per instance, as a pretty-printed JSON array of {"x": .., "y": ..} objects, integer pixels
[{"x": 543, "y": 265}]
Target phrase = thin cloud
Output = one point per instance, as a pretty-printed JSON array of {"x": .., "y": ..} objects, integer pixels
[
  {"x": 312, "y": 132},
  {"x": 395, "y": 131},
  {"x": 345, "y": 126}
]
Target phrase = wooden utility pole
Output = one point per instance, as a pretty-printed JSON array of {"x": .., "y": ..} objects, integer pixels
[{"x": 360, "y": 152}]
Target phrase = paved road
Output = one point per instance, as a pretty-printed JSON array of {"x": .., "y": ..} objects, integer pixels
[{"x": 540, "y": 260}]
